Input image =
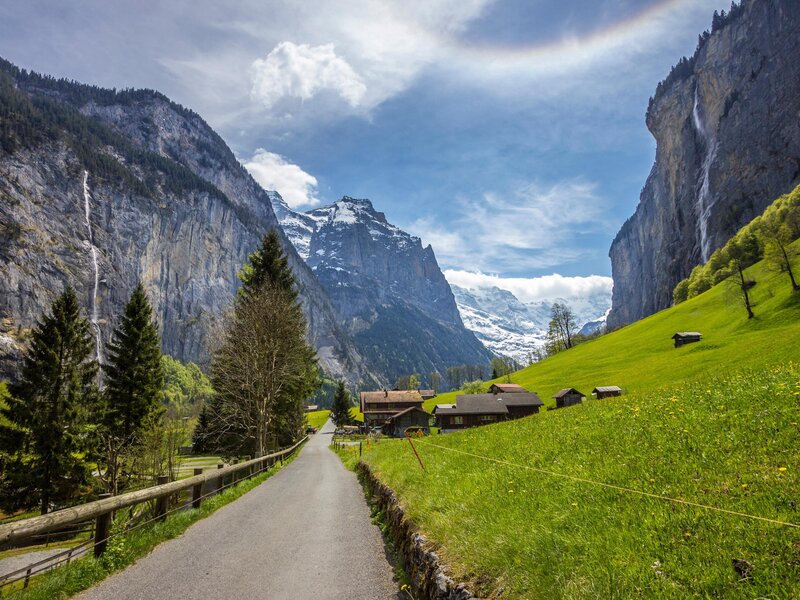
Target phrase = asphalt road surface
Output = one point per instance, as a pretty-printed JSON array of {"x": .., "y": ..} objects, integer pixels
[{"x": 304, "y": 533}]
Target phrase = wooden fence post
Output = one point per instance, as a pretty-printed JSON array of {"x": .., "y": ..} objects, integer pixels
[
  {"x": 220, "y": 479},
  {"x": 102, "y": 527},
  {"x": 197, "y": 490},
  {"x": 162, "y": 501}
]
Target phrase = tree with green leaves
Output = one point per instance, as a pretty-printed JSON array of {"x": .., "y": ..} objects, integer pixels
[
  {"x": 340, "y": 411},
  {"x": 474, "y": 387},
  {"x": 561, "y": 329},
  {"x": 778, "y": 230},
  {"x": 49, "y": 411},
  {"x": 268, "y": 264},
  {"x": 134, "y": 378},
  {"x": 743, "y": 251}
]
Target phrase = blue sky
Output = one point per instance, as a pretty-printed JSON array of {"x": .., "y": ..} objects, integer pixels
[{"x": 509, "y": 134}]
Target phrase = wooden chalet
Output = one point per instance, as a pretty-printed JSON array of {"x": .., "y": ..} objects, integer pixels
[
  {"x": 473, "y": 410},
  {"x": 606, "y": 391},
  {"x": 396, "y": 425},
  {"x": 312, "y": 407},
  {"x": 379, "y": 406},
  {"x": 506, "y": 388},
  {"x": 568, "y": 397},
  {"x": 427, "y": 394},
  {"x": 686, "y": 337}
]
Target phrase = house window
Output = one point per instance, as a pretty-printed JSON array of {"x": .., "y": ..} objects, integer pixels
[
  {"x": 487, "y": 417},
  {"x": 458, "y": 420}
]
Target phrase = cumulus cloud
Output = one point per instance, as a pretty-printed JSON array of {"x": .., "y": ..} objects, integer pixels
[
  {"x": 302, "y": 71},
  {"x": 273, "y": 172},
  {"x": 520, "y": 230},
  {"x": 534, "y": 289}
]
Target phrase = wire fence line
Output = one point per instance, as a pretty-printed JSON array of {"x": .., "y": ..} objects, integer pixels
[
  {"x": 615, "y": 487},
  {"x": 51, "y": 562}
]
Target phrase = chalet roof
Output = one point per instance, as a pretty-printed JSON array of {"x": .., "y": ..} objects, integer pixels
[
  {"x": 439, "y": 407},
  {"x": 477, "y": 404},
  {"x": 408, "y": 410},
  {"x": 606, "y": 388},
  {"x": 687, "y": 334},
  {"x": 312, "y": 407},
  {"x": 391, "y": 396},
  {"x": 566, "y": 392},
  {"x": 520, "y": 399},
  {"x": 427, "y": 394},
  {"x": 509, "y": 388}
]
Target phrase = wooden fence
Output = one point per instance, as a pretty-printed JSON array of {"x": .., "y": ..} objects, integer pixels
[{"x": 102, "y": 510}]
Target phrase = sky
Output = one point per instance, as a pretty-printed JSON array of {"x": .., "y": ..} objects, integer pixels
[{"x": 508, "y": 134}]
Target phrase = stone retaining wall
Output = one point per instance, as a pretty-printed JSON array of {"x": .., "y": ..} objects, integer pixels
[{"x": 428, "y": 581}]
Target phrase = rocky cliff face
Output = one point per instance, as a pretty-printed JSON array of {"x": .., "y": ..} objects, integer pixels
[
  {"x": 387, "y": 288},
  {"x": 100, "y": 189},
  {"x": 727, "y": 127}
]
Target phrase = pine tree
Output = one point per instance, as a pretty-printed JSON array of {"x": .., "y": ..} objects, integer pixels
[
  {"x": 340, "y": 411},
  {"x": 268, "y": 264},
  {"x": 134, "y": 380},
  {"x": 50, "y": 409}
]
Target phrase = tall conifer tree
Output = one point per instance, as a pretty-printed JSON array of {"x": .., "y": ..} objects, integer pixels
[
  {"x": 134, "y": 380},
  {"x": 49, "y": 410},
  {"x": 340, "y": 411}
]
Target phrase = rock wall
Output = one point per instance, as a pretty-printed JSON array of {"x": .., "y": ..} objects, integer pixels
[
  {"x": 427, "y": 574},
  {"x": 727, "y": 127}
]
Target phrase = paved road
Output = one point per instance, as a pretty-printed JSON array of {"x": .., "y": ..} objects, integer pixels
[{"x": 304, "y": 533}]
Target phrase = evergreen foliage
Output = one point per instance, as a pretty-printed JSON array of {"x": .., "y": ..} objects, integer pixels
[
  {"x": 49, "y": 411},
  {"x": 268, "y": 264},
  {"x": 342, "y": 403}
]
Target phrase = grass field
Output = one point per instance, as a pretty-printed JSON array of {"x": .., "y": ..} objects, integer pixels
[
  {"x": 318, "y": 418},
  {"x": 589, "y": 502}
]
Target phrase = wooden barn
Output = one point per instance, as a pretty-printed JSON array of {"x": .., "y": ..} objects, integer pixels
[
  {"x": 427, "y": 394},
  {"x": 686, "y": 337},
  {"x": 568, "y": 397},
  {"x": 506, "y": 388},
  {"x": 606, "y": 391},
  {"x": 378, "y": 407},
  {"x": 396, "y": 425},
  {"x": 472, "y": 410}
]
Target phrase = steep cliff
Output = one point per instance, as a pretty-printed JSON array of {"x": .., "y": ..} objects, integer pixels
[
  {"x": 99, "y": 189},
  {"x": 387, "y": 288},
  {"x": 727, "y": 126}
]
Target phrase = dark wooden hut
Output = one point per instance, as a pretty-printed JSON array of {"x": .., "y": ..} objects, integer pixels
[
  {"x": 568, "y": 397},
  {"x": 606, "y": 391},
  {"x": 686, "y": 337},
  {"x": 396, "y": 425}
]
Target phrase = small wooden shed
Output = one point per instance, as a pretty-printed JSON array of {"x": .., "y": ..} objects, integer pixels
[
  {"x": 568, "y": 397},
  {"x": 686, "y": 337},
  {"x": 396, "y": 425},
  {"x": 606, "y": 391},
  {"x": 506, "y": 388}
]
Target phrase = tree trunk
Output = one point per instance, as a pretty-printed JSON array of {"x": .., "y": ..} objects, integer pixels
[
  {"x": 750, "y": 314},
  {"x": 788, "y": 264}
]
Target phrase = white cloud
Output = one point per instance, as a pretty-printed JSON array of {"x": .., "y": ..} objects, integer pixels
[
  {"x": 302, "y": 71},
  {"x": 273, "y": 172},
  {"x": 535, "y": 289},
  {"x": 518, "y": 231}
]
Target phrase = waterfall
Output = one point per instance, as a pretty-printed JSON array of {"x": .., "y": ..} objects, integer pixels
[
  {"x": 704, "y": 202},
  {"x": 94, "y": 311}
]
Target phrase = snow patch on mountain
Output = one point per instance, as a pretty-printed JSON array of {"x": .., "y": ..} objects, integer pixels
[{"x": 513, "y": 328}]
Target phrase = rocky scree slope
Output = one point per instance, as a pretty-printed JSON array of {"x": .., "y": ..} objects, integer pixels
[
  {"x": 164, "y": 202},
  {"x": 728, "y": 142},
  {"x": 388, "y": 290}
]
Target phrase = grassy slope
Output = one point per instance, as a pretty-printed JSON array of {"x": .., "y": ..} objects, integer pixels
[
  {"x": 726, "y": 437},
  {"x": 317, "y": 418},
  {"x": 641, "y": 356}
]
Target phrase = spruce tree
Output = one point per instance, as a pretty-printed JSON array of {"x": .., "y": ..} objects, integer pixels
[
  {"x": 268, "y": 264},
  {"x": 340, "y": 411},
  {"x": 49, "y": 411},
  {"x": 134, "y": 380}
]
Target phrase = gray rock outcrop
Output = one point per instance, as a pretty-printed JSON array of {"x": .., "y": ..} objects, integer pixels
[{"x": 727, "y": 126}]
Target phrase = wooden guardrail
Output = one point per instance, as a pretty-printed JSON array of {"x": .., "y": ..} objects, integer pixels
[{"x": 103, "y": 509}]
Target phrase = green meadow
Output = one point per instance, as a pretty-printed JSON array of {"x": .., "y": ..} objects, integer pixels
[
  {"x": 687, "y": 486},
  {"x": 317, "y": 418}
]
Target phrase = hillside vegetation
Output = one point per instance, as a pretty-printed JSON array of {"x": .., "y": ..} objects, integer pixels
[{"x": 525, "y": 506}]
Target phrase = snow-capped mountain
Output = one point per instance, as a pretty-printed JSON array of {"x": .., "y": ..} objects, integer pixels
[
  {"x": 387, "y": 288},
  {"x": 513, "y": 328}
]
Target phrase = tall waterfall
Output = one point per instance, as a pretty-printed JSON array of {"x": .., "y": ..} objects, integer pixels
[
  {"x": 94, "y": 312},
  {"x": 704, "y": 202}
]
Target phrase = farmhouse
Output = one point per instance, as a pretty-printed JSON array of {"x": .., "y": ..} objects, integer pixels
[
  {"x": 506, "y": 388},
  {"x": 472, "y": 410},
  {"x": 312, "y": 407},
  {"x": 379, "y": 406},
  {"x": 396, "y": 425},
  {"x": 568, "y": 397},
  {"x": 686, "y": 337},
  {"x": 606, "y": 391}
]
